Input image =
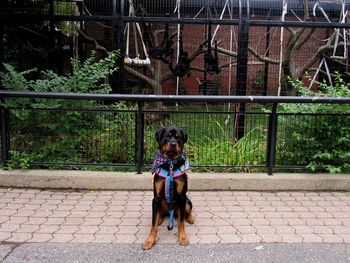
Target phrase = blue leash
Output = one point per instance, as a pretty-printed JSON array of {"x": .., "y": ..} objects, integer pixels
[{"x": 169, "y": 194}]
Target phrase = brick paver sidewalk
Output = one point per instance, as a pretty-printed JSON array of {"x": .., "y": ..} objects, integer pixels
[{"x": 31, "y": 215}]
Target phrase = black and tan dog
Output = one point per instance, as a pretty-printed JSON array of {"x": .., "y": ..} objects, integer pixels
[{"x": 170, "y": 184}]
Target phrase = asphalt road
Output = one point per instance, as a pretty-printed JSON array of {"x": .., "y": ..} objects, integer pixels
[{"x": 69, "y": 253}]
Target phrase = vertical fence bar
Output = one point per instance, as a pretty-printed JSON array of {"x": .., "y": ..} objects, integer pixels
[
  {"x": 140, "y": 121},
  {"x": 118, "y": 25},
  {"x": 271, "y": 139},
  {"x": 242, "y": 61},
  {"x": 5, "y": 136},
  {"x": 266, "y": 67}
]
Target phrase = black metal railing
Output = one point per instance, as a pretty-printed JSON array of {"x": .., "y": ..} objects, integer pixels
[
  {"x": 124, "y": 137},
  {"x": 255, "y": 21}
]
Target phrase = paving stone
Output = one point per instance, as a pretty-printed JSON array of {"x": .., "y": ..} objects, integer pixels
[
  {"x": 17, "y": 220},
  {"x": 270, "y": 238},
  {"x": 54, "y": 221},
  {"x": 223, "y": 221},
  {"x": 91, "y": 221},
  {"x": 19, "y": 237},
  {"x": 82, "y": 238},
  {"x": 207, "y": 229},
  {"x": 7, "y": 212},
  {"x": 332, "y": 222},
  {"x": 208, "y": 239},
  {"x": 278, "y": 222},
  {"x": 127, "y": 238},
  {"x": 303, "y": 230},
  {"x": 128, "y": 230},
  {"x": 104, "y": 238},
  {"x": 6, "y": 227},
  {"x": 265, "y": 230},
  {"x": 245, "y": 229},
  {"x": 229, "y": 238},
  {"x": 260, "y": 222},
  {"x": 341, "y": 229},
  {"x": 27, "y": 229},
  {"x": 67, "y": 229},
  {"x": 73, "y": 221},
  {"x": 291, "y": 238},
  {"x": 311, "y": 238},
  {"x": 61, "y": 238},
  {"x": 345, "y": 237},
  {"x": 242, "y": 222},
  {"x": 204, "y": 222},
  {"x": 87, "y": 229},
  {"x": 4, "y": 235},
  {"x": 322, "y": 229},
  {"x": 283, "y": 230},
  {"x": 40, "y": 238},
  {"x": 162, "y": 239},
  {"x": 330, "y": 238},
  {"x": 4, "y": 219},
  {"x": 47, "y": 229},
  {"x": 117, "y": 221},
  {"x": 250, "y": 238},
  {"x": 314, "y": 222},
  {"x": 125, "y": 217}
]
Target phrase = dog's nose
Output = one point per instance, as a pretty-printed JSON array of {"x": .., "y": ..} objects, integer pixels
[{"x": 173, "y": 143}]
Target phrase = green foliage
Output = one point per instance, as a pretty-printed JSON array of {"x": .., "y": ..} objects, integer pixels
[
  {"x": 67, "y": 130},
  {"x": 86, "y": 76},
  {"x": 322, "y": 142},
  {"x": 214, "y": 143},
  {"x": 19, "y": 160},
  {"x": 67, "y": 8}
]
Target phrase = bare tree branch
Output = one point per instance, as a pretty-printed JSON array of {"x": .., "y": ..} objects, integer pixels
[
  {"x": 141, "y": 76},
  {"x": 94, "y": 41},
  {"x": 262, "y": 57}
]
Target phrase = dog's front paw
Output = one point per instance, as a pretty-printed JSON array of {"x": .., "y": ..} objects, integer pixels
[
  {"x": 183, "y": 240},
  {"x": 148, "y": 244}
]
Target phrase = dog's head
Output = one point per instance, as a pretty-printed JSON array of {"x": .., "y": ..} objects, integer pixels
[{"x": 171, "y": 141}]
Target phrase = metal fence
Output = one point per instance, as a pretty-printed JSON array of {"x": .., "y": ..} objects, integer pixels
[
  {"x": 121, "y": 134},
  {"x": 49, "y": 32}
]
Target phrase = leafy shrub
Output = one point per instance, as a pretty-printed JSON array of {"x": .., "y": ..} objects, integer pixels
[
  {"x": 319, "y": 139},
  {"x": 67, "y": 130}
]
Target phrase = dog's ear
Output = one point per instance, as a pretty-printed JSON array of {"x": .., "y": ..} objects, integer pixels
[
  {"x": 184, "y": 136},
  {"x": 159, "y": 134}
]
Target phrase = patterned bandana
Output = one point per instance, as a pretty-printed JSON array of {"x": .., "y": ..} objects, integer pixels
[{"x": 160, "y": 160}]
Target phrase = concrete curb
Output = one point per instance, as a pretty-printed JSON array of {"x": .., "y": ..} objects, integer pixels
[{"x": 63, "y": 179}]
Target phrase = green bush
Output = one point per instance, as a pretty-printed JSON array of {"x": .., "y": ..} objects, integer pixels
[
  {"x": 320, "y": 138},
  {"x": 55, "y": 130}
]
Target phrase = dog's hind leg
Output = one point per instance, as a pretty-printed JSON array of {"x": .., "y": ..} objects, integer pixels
[
  {"x": 156, "y": 219},
  {"x": 189, "y": 215}
]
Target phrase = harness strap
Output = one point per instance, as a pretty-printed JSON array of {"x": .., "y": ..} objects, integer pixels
[{"x": 169, "y": 187}]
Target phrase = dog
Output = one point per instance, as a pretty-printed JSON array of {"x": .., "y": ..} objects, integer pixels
[{"x": 170, "y": 184}]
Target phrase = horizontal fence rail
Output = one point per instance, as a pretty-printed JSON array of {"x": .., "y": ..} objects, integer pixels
[
  {"x": 173, "y": 98},
  {"x": 19, "y": 18},
  {"x": 221, "y": 135}
]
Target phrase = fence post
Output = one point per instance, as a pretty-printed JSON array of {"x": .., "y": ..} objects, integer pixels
[
  {"x": 140, "y": 121},
  {"x": 5, "y": 136},
  {"x": 242, "y": 61},
  {"x": 118, "y": 36},
  {"x": 271, "y": 139}
]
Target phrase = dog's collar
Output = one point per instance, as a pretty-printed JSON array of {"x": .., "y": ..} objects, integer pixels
[
  {"x": 159, "y": 160},
  {"x": 176, "y": 173}
]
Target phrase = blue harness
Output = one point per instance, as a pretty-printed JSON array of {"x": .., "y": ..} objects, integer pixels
[{"x": 169, "y": 185}]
